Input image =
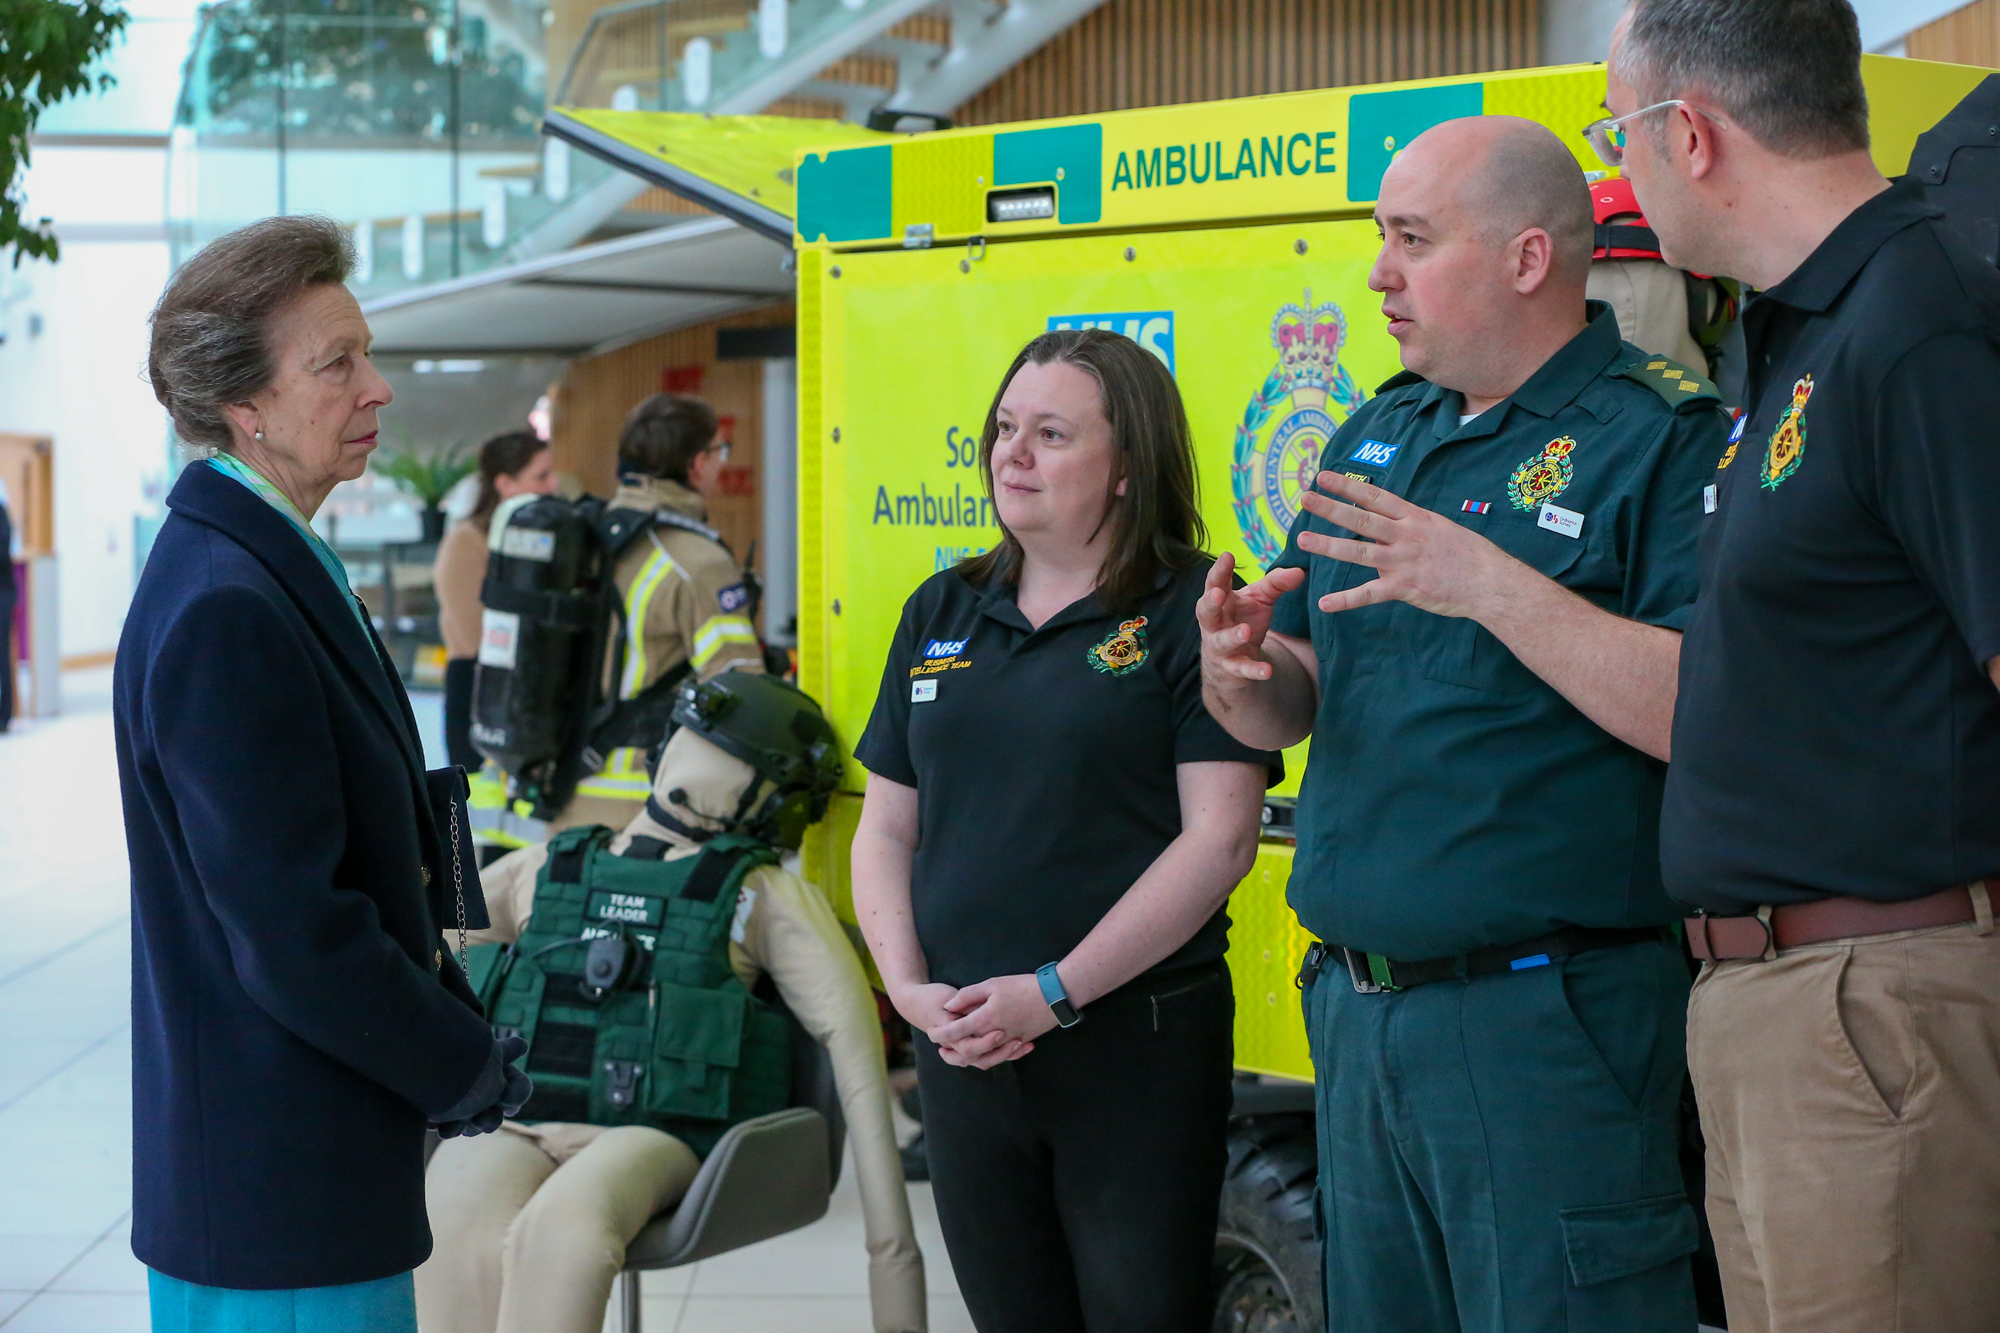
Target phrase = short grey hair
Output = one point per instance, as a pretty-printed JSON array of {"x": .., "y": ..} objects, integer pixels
[
  {"x": 1787, "y": 71},
  {"x": 211, "y": 329},
  {"x": 1528, "y": 179}
]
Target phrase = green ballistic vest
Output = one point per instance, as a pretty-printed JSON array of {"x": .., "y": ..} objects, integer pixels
[{"x": 681, "y": 1046}]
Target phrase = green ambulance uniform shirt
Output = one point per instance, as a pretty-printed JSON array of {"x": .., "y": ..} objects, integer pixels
[{"x": 1452, "y": 800}]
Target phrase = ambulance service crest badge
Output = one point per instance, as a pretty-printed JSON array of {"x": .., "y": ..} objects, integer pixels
[
  {"x": 1288, "y": 422},
  {"x": 1123, "y": 650},
  {"x": 1543, "y": 477},
  {"x": 1788, "y": 441}
]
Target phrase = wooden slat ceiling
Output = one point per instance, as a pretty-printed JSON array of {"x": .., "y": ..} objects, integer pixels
[{"x": 1138, "y": 53}]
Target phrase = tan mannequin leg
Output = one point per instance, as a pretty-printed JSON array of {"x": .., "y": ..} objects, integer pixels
[
  {"x": 473, "y": 1190},
  {"x": 565, "y": 1248}
]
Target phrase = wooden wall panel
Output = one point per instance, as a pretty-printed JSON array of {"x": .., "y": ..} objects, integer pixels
[
  {"x": 1138, "y": 53},
  {"x": 1968, "y": 36},
  {"x": 595, "y": 393}
]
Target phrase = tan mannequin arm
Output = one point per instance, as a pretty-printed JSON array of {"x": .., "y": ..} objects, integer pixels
[
  {"x": 791, "y": 930},
  {"x": 510, "y": 894}
]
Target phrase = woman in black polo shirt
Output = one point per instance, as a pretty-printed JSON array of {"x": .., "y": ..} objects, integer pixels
[{"x": 1052, "y": 826}]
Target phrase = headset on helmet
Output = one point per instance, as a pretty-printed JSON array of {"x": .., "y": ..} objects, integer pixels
[{"x": 778, "y": 730}]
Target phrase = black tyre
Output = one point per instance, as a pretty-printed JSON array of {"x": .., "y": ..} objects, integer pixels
[{"x": 1267, "y": 1255}]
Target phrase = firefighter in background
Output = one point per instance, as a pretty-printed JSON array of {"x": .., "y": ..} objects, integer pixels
[
  {"x": 1660, "y": 309},
  {"x": 685, "y": 607},
  {"x": 687, "y": 601},
  {"x": 531, "y": 1228}
]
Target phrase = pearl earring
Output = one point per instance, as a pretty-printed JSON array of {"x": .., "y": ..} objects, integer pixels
[{"x": 260, "y": 434}]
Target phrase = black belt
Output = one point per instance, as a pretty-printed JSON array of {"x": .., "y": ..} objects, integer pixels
[{"x": 1373, "y": 973}]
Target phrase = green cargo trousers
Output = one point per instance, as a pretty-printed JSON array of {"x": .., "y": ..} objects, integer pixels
[{"x": 1499, "y": 1155}]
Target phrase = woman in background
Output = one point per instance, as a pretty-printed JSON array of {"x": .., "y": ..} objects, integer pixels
[{"x": 517, "y": 463}]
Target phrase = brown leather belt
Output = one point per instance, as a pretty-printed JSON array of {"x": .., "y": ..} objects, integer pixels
[{"x": 1718, "y": 937}]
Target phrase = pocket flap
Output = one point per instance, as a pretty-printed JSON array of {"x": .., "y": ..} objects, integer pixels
[
  {"x": 702, "y": 1027},
  {"x": 1619, "y": 1239}
]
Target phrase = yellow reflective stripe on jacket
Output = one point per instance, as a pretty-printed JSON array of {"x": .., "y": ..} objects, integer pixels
[
  {"x": 495, "y": 822},
  {"x": 718, "y": 633},
  {"x": 637, "y": 599},
  {"x": 623, "y": 777}
]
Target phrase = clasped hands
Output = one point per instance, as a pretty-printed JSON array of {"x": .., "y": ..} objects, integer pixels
[{"x": 982, "y": 1025}]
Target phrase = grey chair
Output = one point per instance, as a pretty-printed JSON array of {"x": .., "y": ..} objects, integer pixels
[{"x": 765, "y": 1177}]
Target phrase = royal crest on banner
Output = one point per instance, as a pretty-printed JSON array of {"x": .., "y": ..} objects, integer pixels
[{"x": 1288, "y": 422}]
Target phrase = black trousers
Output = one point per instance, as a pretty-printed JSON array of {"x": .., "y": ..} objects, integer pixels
[
  {"x": 6, "y": 653},
  {"x": 1077, "y": 1186},
  {"x": 458, "y": 676}
]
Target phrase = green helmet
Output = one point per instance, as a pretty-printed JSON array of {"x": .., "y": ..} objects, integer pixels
[{"x": 778, "y": 730}]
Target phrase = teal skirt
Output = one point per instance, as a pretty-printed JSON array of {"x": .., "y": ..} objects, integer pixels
[{"x": 387, "y": 1305}]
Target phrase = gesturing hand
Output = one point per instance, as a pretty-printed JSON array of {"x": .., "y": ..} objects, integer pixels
[
  {"x": 1235, "y": 620},
  {"x": 1419, "y": 557},
  {"x": 994, "y": 1021}
]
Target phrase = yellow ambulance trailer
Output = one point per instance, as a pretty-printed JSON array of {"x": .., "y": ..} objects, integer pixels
[{"x": 1231, "y": 239}]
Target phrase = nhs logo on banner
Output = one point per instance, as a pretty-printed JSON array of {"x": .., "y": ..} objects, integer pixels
[
  {"x": 1151, "y": 329},
  {"x": 1375, "y": 453}
]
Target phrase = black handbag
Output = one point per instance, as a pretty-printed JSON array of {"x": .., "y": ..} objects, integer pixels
[{"x": 457, "y": 899}]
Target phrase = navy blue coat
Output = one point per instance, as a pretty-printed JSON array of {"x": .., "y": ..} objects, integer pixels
[{"x": 294, "y": 1022}]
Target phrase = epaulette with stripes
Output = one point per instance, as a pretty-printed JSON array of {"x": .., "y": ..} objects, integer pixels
[{"x": 1675, "y": 383}]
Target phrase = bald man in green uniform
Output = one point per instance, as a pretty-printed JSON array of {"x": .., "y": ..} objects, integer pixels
[{"x": 1478, "y": 622}]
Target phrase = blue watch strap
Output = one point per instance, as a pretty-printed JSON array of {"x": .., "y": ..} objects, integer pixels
[{"x": 1058, "y": 998}]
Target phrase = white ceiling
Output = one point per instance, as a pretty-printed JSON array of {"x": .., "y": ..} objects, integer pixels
[{"x": 592, "y": 298}]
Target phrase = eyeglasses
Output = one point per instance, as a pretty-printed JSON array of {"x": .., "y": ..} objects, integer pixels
[
  {"x": 1607, "y": 136},
  {"x": 721, "y": 451}
]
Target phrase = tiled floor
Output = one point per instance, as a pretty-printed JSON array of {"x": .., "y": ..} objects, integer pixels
[{"x": 66, "y": 1263}]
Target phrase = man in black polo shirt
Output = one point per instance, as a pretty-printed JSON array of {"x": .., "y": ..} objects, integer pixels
[
  {"x": 1834, "y": 801},
  {"x": 1497, "y": 1032}
]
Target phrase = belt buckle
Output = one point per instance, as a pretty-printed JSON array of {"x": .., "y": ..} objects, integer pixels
[{"x": 1362, "y": 975}]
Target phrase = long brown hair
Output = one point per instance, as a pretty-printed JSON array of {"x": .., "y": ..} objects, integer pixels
[
  {"x": 1156, "y": 525},
  {"x": 502, "y": 456}
]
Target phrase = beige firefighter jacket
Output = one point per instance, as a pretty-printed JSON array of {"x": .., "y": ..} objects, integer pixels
[{"x": 685, "y": 601}]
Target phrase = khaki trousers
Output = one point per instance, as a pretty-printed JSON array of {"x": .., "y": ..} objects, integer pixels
[
  {"x": 529, "y": 1236},
  {"x": 1850, "y": 1095}
]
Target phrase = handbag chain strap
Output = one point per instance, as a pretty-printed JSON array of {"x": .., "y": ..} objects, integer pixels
[{"x": 458, "y": 883}]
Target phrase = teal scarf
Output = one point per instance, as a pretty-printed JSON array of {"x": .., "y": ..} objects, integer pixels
[{"x": 235, "y": 468}]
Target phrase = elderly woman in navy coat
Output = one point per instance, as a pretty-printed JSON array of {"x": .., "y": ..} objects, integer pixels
[{"x": 295, "y": 1022}]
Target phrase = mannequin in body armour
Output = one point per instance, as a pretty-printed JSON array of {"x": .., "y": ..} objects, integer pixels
[{"x": 531, "y": 1223}]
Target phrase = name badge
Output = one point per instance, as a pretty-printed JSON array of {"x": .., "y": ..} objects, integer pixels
[
  {"x": 1708, "y": 498},
  {"x": 922, "y": 691},
  {"x": 1557, "y": 519}
]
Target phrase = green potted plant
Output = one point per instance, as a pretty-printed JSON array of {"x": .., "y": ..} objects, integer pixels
[{"x": 429, "y": 478}]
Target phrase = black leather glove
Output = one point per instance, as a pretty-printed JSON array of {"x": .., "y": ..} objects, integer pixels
[{"x": 499, "y": 1092}]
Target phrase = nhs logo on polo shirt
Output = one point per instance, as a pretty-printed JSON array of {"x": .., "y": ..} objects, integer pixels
[
  {"x": 1375, "y": 453},
  {"x": 945, "y": 648}
]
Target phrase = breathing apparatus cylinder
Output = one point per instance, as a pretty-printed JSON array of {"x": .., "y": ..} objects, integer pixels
[{"x": 548, "y": 600}]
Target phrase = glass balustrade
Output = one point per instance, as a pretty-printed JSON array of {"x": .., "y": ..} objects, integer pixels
[
  {"x": 416, "y": 122},
  {"x": 705, "y": 55}
]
